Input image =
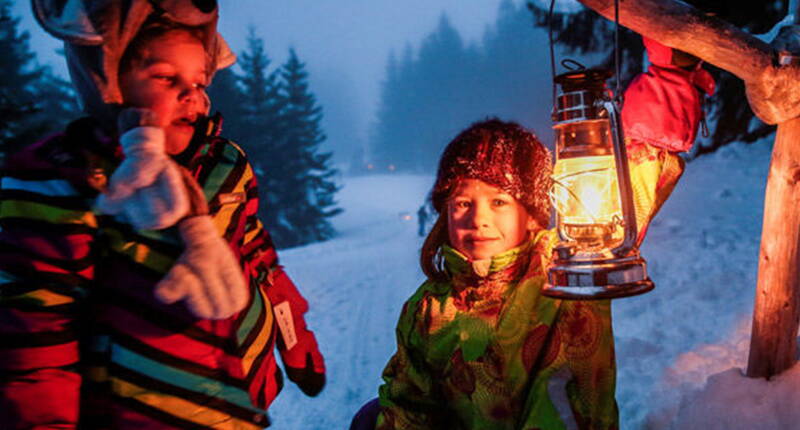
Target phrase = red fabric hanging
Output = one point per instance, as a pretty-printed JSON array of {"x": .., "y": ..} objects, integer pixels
[{"x": 663, "y": 105}]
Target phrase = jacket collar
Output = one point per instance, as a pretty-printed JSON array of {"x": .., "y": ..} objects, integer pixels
[{"x": 460, "y": 266}]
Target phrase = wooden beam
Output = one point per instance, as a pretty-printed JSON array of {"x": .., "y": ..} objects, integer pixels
[
  {"x": 773, "y": 92},
  {"x": 679, "y": 25}
]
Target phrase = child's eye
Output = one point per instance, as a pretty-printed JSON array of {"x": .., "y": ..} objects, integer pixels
[
  {"x": 499, "y": 202},
  {"x": 462, "y": 204},
  {"x": 165, "y": 78},
  {"x": 199, "y": 86}
]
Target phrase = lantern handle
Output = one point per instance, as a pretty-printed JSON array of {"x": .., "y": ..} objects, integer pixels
[{"x": 623, "y": 180}]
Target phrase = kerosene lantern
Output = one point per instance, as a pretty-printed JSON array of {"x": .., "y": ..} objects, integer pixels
[{"x": 597, "y": 256}]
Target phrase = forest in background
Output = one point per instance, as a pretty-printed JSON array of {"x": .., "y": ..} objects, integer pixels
[{"x": 431, "y": 93}]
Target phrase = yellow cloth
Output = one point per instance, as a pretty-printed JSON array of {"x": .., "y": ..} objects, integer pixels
[{"x": 654, "y": 174}]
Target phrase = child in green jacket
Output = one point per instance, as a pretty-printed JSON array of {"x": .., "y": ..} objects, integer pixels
[{"x": 478, "y": 346}]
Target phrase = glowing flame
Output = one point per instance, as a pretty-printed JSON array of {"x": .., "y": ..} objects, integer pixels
[{"x": 585, "y": 193}]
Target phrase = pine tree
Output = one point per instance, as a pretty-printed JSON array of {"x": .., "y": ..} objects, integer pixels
[
  {"x": 33, "y": 102},
  {"x": 587, "y": 33},
  {"x": 226, "y": 98},
  {"x": 277, "y": 121},
  {"x": 384, "y": 139},
  {"x": 423, "y": 100},
  {"x": 260, "y": 129},
  {"x": 307, "y": 189}
]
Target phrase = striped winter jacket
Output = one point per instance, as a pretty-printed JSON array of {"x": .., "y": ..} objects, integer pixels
[{"x": 77, "y": 311}]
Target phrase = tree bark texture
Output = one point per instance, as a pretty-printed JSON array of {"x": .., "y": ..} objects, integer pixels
[
  {"x": 774, "y": 95},
  {"x": 773, "y": 343}
]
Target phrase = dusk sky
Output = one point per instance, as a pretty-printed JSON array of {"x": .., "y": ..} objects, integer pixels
[{"x": 345, "y": 43}]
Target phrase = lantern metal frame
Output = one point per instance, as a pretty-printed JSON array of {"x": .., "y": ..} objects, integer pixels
[{"x": 610, "y": 273}]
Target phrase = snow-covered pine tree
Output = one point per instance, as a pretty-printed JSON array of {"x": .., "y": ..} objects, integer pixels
[
  {"x": 260, "y": 128},
  {"x": 307, "y": 189},
  {"x": 586, "y": 32},
  {"x": 33, "y": 102}
]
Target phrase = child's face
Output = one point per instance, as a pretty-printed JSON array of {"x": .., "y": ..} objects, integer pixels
[
  {"x": 484, "y": 221},
  {"x": 169, "y": 79}
]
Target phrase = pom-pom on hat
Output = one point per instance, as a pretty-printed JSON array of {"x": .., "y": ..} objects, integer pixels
[{"x": 502, "y": 154}]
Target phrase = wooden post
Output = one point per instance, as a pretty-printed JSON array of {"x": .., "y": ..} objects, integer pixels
[
  {"x": 774, "y": 95},
  {"x": 773, "y": 342},
  {"x": 776, "y": 315}
]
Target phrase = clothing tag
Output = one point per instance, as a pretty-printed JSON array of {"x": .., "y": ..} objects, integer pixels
[
  {"x": 227, "y": 198},
  {"x": 283, "y": 314}
]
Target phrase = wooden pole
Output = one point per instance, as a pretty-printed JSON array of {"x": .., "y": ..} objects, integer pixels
[
  {"x": 773, "y": 342},
  {"x": 774, "y": 95},
  {"x": 776, "y": 315}
]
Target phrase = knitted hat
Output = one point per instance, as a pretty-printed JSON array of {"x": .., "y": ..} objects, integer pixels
[{"x": 502, "y": 154}]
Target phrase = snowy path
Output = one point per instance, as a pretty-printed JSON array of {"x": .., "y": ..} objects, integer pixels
[
  {"x": 355, "y": 286},
  {"x": 702, "y": 252}
]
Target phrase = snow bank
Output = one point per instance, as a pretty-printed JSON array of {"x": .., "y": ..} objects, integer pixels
[{"x": 730, "y": 400}]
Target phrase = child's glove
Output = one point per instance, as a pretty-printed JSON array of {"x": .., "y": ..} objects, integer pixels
[
  {"x": 207, "y": 275},
  {"x": 663, "y": 105},
  {"x": 147, "y": 187},
  {"x": 296, "y": 344}
]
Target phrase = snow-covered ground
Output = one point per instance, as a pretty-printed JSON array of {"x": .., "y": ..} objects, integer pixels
[{"x": 702, "y": 252}]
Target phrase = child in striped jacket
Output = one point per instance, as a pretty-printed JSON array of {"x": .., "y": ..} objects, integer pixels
[{"x": 138, "y": 289}]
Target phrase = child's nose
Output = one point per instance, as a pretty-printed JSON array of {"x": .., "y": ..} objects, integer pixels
[
  {"x": 480, "y": 215},
  {"x": 192, "y": 94}
]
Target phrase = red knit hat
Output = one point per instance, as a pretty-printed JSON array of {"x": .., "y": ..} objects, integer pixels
[{"x": 502, "y": 154}]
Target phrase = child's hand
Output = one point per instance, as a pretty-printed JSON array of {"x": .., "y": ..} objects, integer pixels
[
  {"x": 207, "y": 274},
  {"x": 297, "y": 345},
  {"x": 147, "y": 188}
]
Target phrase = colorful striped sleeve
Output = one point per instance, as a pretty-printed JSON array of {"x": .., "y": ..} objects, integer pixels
[
  {"x": 46, "y": 234},
  {"x": 297, "y": 345}
]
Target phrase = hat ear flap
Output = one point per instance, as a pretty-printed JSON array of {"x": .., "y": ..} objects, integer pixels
[
  {"x": 67, "y": 20},
  {"x": 223, "y": 55}
]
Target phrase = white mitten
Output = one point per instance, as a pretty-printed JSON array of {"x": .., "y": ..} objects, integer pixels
[
  {"x": 147, "y": 188},
  {"x": 207, "y": 274}
]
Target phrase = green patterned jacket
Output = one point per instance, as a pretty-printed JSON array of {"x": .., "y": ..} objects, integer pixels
[{"x": 493, "y": 353}]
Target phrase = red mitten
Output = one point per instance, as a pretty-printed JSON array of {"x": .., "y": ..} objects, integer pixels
[
  {"x": 663, "y": 105},
  {"x": 298, "y": 348}
]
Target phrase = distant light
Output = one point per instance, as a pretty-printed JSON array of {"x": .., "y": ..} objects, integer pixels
[
  {"x": 370, "y": 166},
  {"x": 391, "y": 167}
]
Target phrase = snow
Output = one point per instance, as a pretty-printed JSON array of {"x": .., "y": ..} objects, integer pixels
[{"x": 680, "y": 348}]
